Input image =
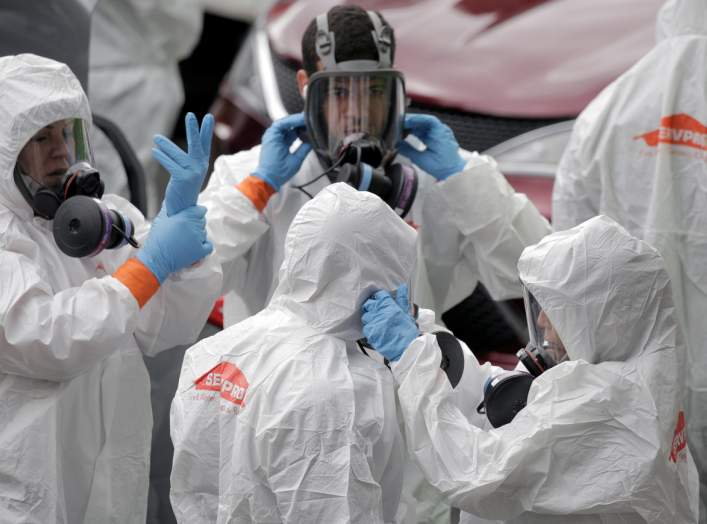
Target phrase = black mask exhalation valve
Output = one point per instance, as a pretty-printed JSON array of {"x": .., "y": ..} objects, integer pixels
[
  {"x": 361, "y": 164},
  {"x": 360, "y": 148},
  {"x": 85, "y": 226}
]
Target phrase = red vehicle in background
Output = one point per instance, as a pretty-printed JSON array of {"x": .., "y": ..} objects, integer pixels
[{"x": 508, "y": 76}]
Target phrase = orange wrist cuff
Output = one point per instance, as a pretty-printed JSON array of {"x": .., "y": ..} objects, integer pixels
[
  {"x": 141, "y": 282},
  {"x": 258, "y": 191}
]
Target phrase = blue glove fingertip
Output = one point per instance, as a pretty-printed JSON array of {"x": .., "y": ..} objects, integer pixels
[
  {"x": 170, "y": 165},
  {"x": 206, "y": 133},
  {"x": 190, "y": 119},
  {"x": 381, "y": 294},
  {"x": 402, "y": 297},
  {"x": 369, "y": 305},
  {"x": 161, "y": 140},
  {"x": 208, "y": 247}
]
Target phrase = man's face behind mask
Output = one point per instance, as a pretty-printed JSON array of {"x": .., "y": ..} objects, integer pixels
[
  {"x": 341, "y": 105},
  {"x": 356, "y": 105}
]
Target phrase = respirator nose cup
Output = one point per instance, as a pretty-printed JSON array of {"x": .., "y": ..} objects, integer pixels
[{"x": 85, "y": 226}]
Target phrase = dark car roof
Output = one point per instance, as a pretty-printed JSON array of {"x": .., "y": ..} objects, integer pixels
[{"x": 521, "y": 58}]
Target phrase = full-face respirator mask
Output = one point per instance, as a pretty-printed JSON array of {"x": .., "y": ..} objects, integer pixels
[
  {"x": 55, "y": 176},
  {"x": 506, "y": 394},
  {"x": 354, "y": 113}
]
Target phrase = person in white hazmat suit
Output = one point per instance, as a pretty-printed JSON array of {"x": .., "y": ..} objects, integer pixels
[
  {"x": 472, "y": 225},
  {"x": 74, "y": 392},
  {"x": 638, "y": 153},
  {"x": 602, "y": 437},
  {"x": 284, "y": 417}
]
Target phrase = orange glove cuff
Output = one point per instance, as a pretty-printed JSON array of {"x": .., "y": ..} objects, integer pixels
[
  {"x": 141, "y": 282},
  {"x": 258, "y": 191}
]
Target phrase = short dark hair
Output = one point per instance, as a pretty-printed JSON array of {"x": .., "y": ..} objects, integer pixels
[{"x": 352, "y": 33}]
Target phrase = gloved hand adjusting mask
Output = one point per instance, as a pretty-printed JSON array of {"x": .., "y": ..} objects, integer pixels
[
  {"x": 354, "y": 113},
  {"x": 506, "y": 394},
  {"x": 54, "y": 175}
]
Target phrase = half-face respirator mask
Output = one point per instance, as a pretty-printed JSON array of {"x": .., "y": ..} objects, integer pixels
[
  {"x": 354, "y": 113},
  {"x": 507, "y": 393},
  {"x": 55, "y": 176}
]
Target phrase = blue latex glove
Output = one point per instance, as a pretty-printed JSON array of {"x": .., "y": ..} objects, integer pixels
[
  {"x": 277, "y": 165},
  {"x": 441, "y": 158},
  {"x": 387, "y": 324},
  {"x": 187, "y": 170},
  {"x": 175, "y": 242}
]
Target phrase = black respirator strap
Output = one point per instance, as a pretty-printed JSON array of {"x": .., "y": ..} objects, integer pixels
[
  {"x": 325, "y": 46},
  {"x": 324, "y": 43},
  {"x": 383, "y": 38}
]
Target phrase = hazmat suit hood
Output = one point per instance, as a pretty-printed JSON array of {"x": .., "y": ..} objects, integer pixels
[
  {"x": 311, "y": 434},
  {"x": 681, "y": 18},
  {"x": 341, "y": 247},
  {"x": 36, "y": 91},
  {"x": 606, "y": 293},
  {"x": 608, "y": 296}
]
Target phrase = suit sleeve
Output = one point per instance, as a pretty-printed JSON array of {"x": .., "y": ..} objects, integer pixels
[
  {"x": 475, "y": 227},
  {"x": 566, "y": 433},
  {"x": 57, "y": 336},
  {"x": 234, "y": 219},
  {"x": 175, "y": 312}
]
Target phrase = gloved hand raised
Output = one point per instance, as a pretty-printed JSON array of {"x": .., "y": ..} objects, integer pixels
[
  {"x": 277, "y": 165},
  {"x": 441, "y": 158},
  {"x": 175, "y": 242},
  {"x": 187, "y": 170},
  {"x": 387, "y": 324}
]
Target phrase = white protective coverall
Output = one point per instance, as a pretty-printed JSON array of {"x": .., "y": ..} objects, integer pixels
[
  {"x": 602, "y": 438},
  {"x": 473, "y": 227},
  {"x": 74, "y": 393},
  {"x": 638, "y": 154},
  {"x": 298, "y": 420},
  {"x": 134, "y": 76}
]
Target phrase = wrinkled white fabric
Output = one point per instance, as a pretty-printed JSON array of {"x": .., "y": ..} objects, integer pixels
[
  {"x": 638, "y": 154},
  {"x": 134, "y": 77},
  {"x": 300, "y": 425},
  {"x": 472, "y": 227},
  {"x": 74, "y": 393},
  {"x": 601, "y": 439}
]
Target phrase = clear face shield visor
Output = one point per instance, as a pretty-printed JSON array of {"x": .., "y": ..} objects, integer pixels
[
  {"x": 346, "y": 106},
  {"x": 544, "y": 341},
  {"x": 53, "y": 155}
]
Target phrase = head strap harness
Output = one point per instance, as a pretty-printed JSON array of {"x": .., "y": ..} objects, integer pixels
[{"x": 326, "y": 47}]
